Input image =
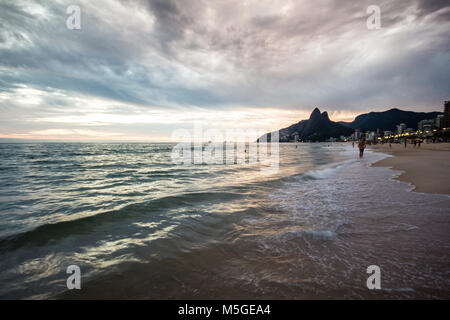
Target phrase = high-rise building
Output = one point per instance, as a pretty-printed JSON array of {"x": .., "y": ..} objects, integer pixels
[
  {"x": 447, "y": 114},
  {"x": 401, "y": 128},
  {"x": 426, "y": 125},
  {"x": 439, "y": 121}
]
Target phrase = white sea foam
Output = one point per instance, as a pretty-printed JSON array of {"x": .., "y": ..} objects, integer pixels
[
  {"x": 328, "y": 171},
  {"x": 325, "y": 201}
]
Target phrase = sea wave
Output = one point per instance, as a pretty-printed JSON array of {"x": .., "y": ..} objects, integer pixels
[
  {"x": 153, "y": 210},
  {"x": 328, "y": 171}
]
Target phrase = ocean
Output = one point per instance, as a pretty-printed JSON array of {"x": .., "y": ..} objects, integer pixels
[{"x": 141, "y": 227}]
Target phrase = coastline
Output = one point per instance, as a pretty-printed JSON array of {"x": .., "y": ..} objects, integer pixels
[{"x": 427, "y": 167}]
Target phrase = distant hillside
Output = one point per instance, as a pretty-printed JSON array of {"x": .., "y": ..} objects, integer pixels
[
  {"x": 387, "y": 120},
  {"x": 317, "y": 128}
]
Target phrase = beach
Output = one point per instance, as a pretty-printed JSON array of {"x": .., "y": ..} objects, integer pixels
[{"x": 427, "y": 167}]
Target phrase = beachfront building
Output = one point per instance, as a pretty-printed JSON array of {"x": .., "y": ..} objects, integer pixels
[
  {"x": 439, "y": 122},
  {"x": 388, "y": 134},
  {"x": 401, "y": 128},
  {"x": 372, "y": 136},
  {"x": 446, "y": 114},
  {"x": 426, "y": 125}
]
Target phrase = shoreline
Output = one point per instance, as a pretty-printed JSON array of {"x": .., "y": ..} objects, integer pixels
[{"x": 427, "y": 167}]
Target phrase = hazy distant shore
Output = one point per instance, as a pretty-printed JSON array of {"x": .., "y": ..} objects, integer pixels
[{"x": 427, "y": 167}]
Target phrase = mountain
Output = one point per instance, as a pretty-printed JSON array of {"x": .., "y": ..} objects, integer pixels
[
  {"x": 317, "y": 128},
  {"x": 387, "y": 120}
]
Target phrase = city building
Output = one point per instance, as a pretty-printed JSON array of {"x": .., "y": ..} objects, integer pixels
[
  {"x": 439, "y": 121},
  {"x": 426, "y": 125},
  {"x": 401, "y": 128},
  {"x": 446, "y": 114}
]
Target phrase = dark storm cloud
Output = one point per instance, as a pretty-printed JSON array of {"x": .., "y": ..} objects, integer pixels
[
  {"x": 170, "y": 22},
  {"x": 430, "y": 6},
  {"x": 437, "y": 7}
]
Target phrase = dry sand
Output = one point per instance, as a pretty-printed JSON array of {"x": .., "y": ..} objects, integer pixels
[{"x": 427, "y": 167}]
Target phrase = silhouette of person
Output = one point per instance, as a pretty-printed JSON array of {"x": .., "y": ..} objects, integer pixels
[{"x": 361, "y": 147}]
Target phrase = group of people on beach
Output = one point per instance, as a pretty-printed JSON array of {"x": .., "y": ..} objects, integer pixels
[
  {"x": 415, "y": 143},
  {"x": 362, "y": 145}
]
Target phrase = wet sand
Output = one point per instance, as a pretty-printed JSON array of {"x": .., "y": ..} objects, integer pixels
[{"x": 427, "y": 167}]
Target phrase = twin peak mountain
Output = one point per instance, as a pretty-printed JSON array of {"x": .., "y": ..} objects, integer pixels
[{"x": 317, "y": 128}]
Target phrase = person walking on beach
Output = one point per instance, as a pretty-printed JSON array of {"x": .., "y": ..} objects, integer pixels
[
  {"x": 405, "y": 143},
  {"x": 361, "y": 147}
]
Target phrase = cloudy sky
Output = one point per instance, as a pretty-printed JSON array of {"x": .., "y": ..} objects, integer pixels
[{"x": 139, "y": 69}]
